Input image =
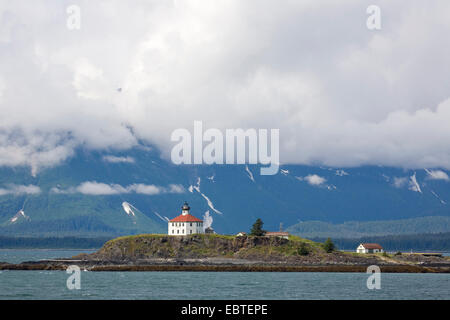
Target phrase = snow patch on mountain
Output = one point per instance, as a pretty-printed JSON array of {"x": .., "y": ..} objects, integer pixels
[
  {"x": 341, "y": 173},
  {"x": 165, "y": 219},
  {"x": 20, "y": 215},
  {"x": 439, "y": 198},
  {"x": 208, "y": 201},
  {"x": 249, "y": 173},
  {"x": 127, "y": 208},
  {"x": 409, "y": 182},
  {"x": 413, "y": 184}
]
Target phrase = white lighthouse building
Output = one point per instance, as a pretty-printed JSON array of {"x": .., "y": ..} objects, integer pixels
[{"x": 185, "y": 223}]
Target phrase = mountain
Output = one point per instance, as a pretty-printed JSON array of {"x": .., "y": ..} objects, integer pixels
[
  {"x": 356, "y": 229},
  {"x": 115, "y": 193}
]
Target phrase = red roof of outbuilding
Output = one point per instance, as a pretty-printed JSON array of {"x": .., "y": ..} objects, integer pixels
[
  {"x": 186, "y": 218},
  {"x": 372, "y": 246}
]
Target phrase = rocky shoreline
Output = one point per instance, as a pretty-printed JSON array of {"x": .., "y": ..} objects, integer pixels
[
  {"x": 231, "y": 254},
  {"x": 229, "y": 266}
]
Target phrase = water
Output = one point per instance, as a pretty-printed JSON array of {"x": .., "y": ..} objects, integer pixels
[
  {"x": 210, "y": 285},
  {"x": 20, "y": 255},
  {"x": 220, "y": 285}
]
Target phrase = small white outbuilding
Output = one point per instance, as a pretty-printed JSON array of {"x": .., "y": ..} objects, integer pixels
[{"x": 369, "y": 248}]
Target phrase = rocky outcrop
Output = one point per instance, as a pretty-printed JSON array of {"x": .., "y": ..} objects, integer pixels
[{"x": 273, "y": 250}]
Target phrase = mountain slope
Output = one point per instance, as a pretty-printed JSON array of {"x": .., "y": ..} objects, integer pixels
[{"x": 84, "y": 196}]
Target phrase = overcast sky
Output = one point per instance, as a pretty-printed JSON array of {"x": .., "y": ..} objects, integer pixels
[{"x": 341, "y": 95}]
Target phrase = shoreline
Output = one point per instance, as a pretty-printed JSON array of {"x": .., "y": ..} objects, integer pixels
[{"x": 59, "y": 266}]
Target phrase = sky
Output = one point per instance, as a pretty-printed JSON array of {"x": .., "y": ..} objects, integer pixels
[{"x": 342, "y": 95}]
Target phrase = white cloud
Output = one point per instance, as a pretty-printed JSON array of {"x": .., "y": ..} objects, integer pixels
[
  {"x": 437, "y": 175},
  {"x": 176, "y": 188},
  {"x": 145, "y": 189},
  {"x": 114, "y": 159},
  {"x": 13, "y": 189},
  {"x": 313, "y": 179},
  {"x": 340, "y": 94},
  {"x": 207, "y": 220},
  {"x": 99, "y": 188},
  {"x": 400, "y": 182}
]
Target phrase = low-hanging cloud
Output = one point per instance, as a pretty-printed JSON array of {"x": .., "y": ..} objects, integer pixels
[
  {"x": 14, "y": 189},
  {"x": 437, "y": 175},
  {"x": 95, "y": 188},
  {"x": 341, "y": 95},
  {"x": 115, "y": 159},
  {"x": 313, "y": 179}
]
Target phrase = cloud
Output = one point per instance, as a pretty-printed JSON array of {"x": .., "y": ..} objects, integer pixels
[
  {"x": 313, "y": 179},
  {"x": 114, "y": 159},
  {"x": 99, "y": 188},
  {"x": 207, "y": 220},
  {"x": 176, "y": 188},
  {"x": 13, "y": 189},
  {"x": 340, "y": 94},
  {"x": 437, "y": 175},
  {"x": 145, "y": 189},
  {"x": 400, "y": 182}
]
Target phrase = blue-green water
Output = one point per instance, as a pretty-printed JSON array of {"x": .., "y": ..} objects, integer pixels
[
  {"x": 210, "y": 285},
  {"x": 220, "y": 285},
  {"x": 21, "y": 255}
]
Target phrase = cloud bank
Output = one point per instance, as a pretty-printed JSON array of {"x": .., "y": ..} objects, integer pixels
[
  {"x": 13, "y": 189},
  {"x": 341, "y": 95},
  {"x": 115, "y": 159},
  {"x": 437, "y": 175},
  {"x": 313, "y": 179},
  {"x": 95, "y": 188}
]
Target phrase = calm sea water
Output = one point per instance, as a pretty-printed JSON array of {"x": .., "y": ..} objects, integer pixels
[
  {"x": 211, "y": 285},
  {"x": 21, "y": 255}
]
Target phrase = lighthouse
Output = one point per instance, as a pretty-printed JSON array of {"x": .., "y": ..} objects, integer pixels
[{"x": 185, "y": 224}]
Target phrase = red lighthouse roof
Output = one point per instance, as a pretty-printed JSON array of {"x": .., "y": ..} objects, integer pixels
[{"x": 186, "y": 218}]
